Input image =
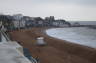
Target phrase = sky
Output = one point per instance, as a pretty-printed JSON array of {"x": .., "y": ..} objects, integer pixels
[{"x": 70, "y": 10}]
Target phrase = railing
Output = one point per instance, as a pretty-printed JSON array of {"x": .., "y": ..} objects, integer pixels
[
  {"x": 28, "y": 55},
  {"x": 33, "y": 60},
  {"x": 0, "y": 36},
  {"x": 5, "y": 35}
]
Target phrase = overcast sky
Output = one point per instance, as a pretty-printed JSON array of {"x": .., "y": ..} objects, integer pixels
[{"x": 81, "y": 10}]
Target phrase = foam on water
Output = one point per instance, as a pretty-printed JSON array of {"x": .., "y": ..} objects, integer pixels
[{"x": 79, "y": 35}]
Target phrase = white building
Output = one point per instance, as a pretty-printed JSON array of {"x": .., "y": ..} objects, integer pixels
[
  {"x": 22, "y": 23},
  {"x": 18, "y": 21},
  {"x": 16, "y": 24},
  {"x": 55, "y": 23},
  {"x": 60, "y": 23},
  {"x": 17, "y": 16},
  {"x": 19, "y": 24}
]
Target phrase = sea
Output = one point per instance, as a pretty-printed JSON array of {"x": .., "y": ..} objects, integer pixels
[
  {"x": 79, "y": 35},
  {"x": 84, "y": 22}
]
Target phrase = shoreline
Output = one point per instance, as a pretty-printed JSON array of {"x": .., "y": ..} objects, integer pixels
[{"x": 74, "y": 41}]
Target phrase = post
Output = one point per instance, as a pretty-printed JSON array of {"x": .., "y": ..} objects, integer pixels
[
  {"x": 0, "y": 35},
  {"x": 0, "y": 30}
]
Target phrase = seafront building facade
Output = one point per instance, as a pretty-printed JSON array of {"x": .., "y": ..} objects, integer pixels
[{"x": 18, "y": 21}]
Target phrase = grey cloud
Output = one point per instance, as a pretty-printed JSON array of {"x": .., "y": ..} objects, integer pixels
[
  {"x": 85, "y": 2},
  {"x": 81, "y": 2}
]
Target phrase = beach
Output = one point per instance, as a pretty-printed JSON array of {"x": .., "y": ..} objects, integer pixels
[{"x": 56, "y": 50}]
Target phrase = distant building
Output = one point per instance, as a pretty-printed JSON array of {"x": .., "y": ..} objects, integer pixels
[
  {"x": 18, "y": 21},
  {"x": 55, "y": 23},
  {"x": 17, "y": 16},
  {"x": 51, "y": 18},
  {"x": 30, "y": 23},
  {"x": 49, "y": 21},
  {"x": 22, "y": 23},
  {"x": 39, "y": 21},
  {"x": 60, "y": 23},
  {"x": 16, "y": 24},
  {"x": 19, "y": 24}
]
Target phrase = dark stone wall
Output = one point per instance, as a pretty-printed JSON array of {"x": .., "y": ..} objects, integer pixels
[{"x": 0, "y": 36}]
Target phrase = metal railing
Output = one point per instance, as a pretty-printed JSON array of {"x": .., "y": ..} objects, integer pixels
[
  {"x": 0, "y": 37},
  {"x": 33, "y": 60},
  {"x": 5, "y": 35},
  {"x": 28, "y": 55}
]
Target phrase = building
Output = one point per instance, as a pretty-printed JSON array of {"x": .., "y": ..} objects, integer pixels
[
  {"x": 16, "y": 24},
  {"x": 22, "y": 23},
  {"x": 60, "y": 23},
  {"x": 49, "y": 20},
  {"x": 29, "y": 21},
  {"x": 17, "y": 16},
  {"x": 38, "y": 21},
  {"x": 18, "y": 21}
]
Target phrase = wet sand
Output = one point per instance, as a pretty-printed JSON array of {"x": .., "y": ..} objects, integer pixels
[{"x": 56, "y": 50}]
